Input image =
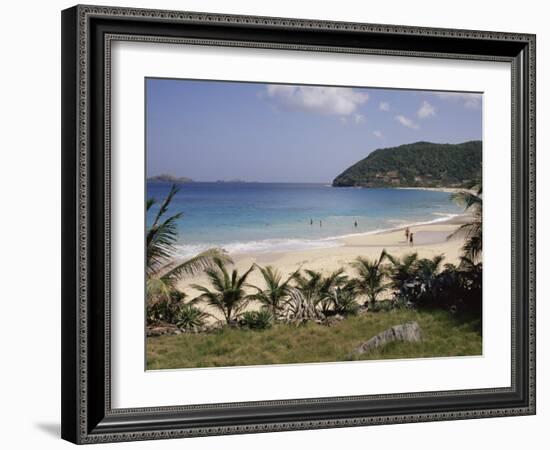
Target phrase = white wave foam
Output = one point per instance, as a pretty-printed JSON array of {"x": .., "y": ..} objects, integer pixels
[
  {"x": 444, "y": 218},
  {"x": 285, "y": 245},
  {"x": 265, "y": 246}
]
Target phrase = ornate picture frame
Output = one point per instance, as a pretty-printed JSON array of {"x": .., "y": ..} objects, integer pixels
[{"x": 87, "y": 35}]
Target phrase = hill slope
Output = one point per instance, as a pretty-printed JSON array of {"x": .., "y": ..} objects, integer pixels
[{"x": 419, "y": 164}]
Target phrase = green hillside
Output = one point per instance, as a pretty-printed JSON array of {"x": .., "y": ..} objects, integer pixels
[{"x": 413, "y": 165}]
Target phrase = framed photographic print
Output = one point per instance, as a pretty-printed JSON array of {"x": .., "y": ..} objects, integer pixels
[{"x": 281, "y": 224}]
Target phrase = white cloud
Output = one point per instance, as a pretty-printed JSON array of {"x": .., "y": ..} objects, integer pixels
[
  {"x": 406, "y": 122},
  {"x": 384, "y": 106},
  {"x": 425, "y": 110},
  {"x": 472, "y": 101},
  {"x": 321, "y": 100},
  {"x": 378, "y": 134},
  {"x": 358, "y": 118}
]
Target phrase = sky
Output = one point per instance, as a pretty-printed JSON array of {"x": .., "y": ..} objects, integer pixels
[{"x": 217, "y": 130}]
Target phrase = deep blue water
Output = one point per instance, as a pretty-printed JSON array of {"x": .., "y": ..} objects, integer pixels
[{"x": 276, "y": 216}]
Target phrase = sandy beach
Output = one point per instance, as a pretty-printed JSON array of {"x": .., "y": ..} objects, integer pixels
[
  {"x": 429, "y": 240},
  {"x": 438, "y": 189}
]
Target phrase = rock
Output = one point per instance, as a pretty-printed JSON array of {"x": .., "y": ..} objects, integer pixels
[
  {"x": 407, "y": 332},
  {"x": 333, "y": 320},
  {"x": 161, "y": 329}
]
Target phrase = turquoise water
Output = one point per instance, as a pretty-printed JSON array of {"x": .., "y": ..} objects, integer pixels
[{"x": 249, "y": 217}]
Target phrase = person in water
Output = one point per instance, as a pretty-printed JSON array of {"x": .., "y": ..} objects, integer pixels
[
  {"x": 355, "y": 224},
  {"x": 411, "y": 240},
  {"x": 320, "y": 223},
  {"x": 311, "y": 221}
]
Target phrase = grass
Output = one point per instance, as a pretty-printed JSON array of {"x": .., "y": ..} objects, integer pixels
[{"x": 443, "y": 335}]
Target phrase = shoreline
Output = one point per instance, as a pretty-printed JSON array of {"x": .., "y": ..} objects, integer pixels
[
  {"x": 437, "y": 189},
  {"x": 310, "y": 244}
]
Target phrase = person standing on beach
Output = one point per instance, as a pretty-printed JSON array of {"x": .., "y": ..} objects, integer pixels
[
  {"x": 320, "y": 223},
  {"x": 311, "y": 221},
  {"x": 411, "y": 241},
  {"x": 407, "y": 232},
  {"x": 355, "y": 224}
]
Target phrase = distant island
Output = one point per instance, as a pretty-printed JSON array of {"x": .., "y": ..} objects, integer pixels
[
  {"x": 235, "y": 180},
  {"x": 421, "y": 164},
  {"x": 166, "y": 178}
]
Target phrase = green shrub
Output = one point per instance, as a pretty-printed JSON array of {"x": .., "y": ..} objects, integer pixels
[
  {"x": 165, "y": 310},
  {"x": 383, "y": 306},
  {"x": 189, "y": 317},
  {"x": 257, "y": 320},
  {"x": 344, "y": 302}
]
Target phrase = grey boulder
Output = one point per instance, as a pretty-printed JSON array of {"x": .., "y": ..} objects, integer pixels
[{"x": 407, "y": 332}]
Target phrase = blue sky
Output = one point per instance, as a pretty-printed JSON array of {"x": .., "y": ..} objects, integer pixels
[{"x": 212, "y": 130}]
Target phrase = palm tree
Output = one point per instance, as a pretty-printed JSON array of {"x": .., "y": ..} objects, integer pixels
[
  {"x": 330, "y": 290},
  {"x": 343, "y": 299},
  {"x": 426, "y": 276},
  {"x": 458, "y": 288},
  {"x": 371, "y": 275},
  {"x": 472, "y": 231},
  {"x": 427, "y": 269},
  {"x": 402, "y": 269},
  {"x": 275, "y": 294},
  {"x": 318, "y": 288},
  {"x": 311, "y": 298},
  {"x": 228, "y": 294},
  {"x": 162, "y": 271},
  {"x": 468, "y": 265}
]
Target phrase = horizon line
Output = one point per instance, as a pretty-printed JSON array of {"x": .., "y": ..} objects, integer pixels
[{"x": 235, "y": 181}]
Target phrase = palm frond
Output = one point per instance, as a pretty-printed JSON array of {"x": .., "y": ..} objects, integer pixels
[
  {"x": 164, "y": 205},
  {"x": 241, "y": 280},
  {"x": 157, "y": 290},
  {"x": 150, "y": 203},
  {"x": 472, "y": 247},
  {"x": 227, "y": 295},
  {"x": 467, "y": 199},
  {"x": 198, "y": 263},
  {"x": 371, "y": 276},
  {"x": 216, "y": 278},
  {"x": 471, "y": 231}
]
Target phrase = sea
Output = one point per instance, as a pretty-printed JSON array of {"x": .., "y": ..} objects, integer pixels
[{"x": 281, "y": 217}]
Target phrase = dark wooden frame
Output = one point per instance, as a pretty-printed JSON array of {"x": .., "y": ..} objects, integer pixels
[{"x": 87, "y": 31}]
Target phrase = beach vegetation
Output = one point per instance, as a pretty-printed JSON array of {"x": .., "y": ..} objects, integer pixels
[
  {"x": 189, "y": 317},
  {"x": 401, "y": 269},
  {"x": 228, "y": 294},
  {"x": 344, "y": 301},
  {"x": 165, "y": 309},
  {"x": 276, "y": 291},
  {"x": 471, "y": 231},
  {"x": 371, "y": 277},
  {"x": 256, "y": 320},
  {"x": 312, "y": 296}
]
